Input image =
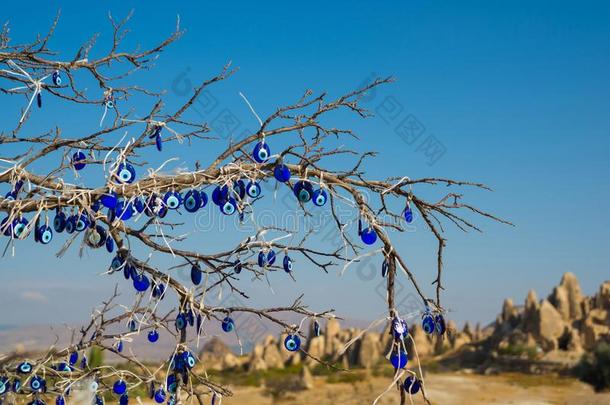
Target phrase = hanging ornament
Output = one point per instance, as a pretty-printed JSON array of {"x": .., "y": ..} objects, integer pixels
[
  {"x": 271, "y": 258},
  {"x": 427, "y": 323},
  {"x": 408, "y": 213},
  {"x": 228, "y": 325},
  {"x": 172, "y": 200},
  {"x": 196, "y": 274},
  {"x": 319, "y": 197},
  {"x": 412, "y": 385},
  {"x": 287, "y": 264},
  {"x": 45, "y": 234},
  {"x": 229, "y": 207},
  {"x": 253, "y": 189},
  {"x": 159, "y": 396},
  {"x": 384, "y": 268},
  {"x": 192, "y": 201},
  {"x": 368, "y": 236},
  {"x": 126, "y": 173},
  {"x": 237, "y": 267},
  {"x": 281, "y": 172},
  {"x": 153, "y": 336},
  {"x": 303, "y": 190},
  {"x": 399, "y": 359},
  {"x": 261, "y": 152},
  {"x": 56, "y": 78},
  {"x": 317, "y": 331},
  {"x": 292, "y": 343},
  {"x": 439, "y": 325},
  {"x": 399, "y": 329},
  {"x": 77, "y": 160},
  {"x": 220, "y": 195}
]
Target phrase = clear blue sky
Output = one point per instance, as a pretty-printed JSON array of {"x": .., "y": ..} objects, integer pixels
[{"x": 516, "y": 92}]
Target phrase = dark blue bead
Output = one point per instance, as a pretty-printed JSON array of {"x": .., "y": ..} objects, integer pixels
[
  {"x": 204, "y": 199},
  {"x": 45, "y": 234},
  {"x": 153, "y": 336},
  {"x": 192, "y": 201},
  {"x": 39, "y": 100},
  {"x": 220, "y": 195},
  {"x": 159, "y": 143},
  {"x": 141, "y": 283},
  {"x": 237, "y": 267},
  {"x": 73, "y": 358},
  {"x": 124, "y": 399},
  {"x": 181, "y": 321},
  {"x": 262, "y": 259},
  {"x": 196, "y": 274},
  {"x": 4, "y": 386},
  {"x": 439, "y": 324},
  {"x": 287, "y": 264},
  {"x": 319, "y": 197},
  {"x": 399, "y": 359},
  {"x": 132, "y": 325},
  {"x": 292, "y": 343},
  {"x": 119, "y": 387},
  {"x": 109, "y": 200},
  {"x": 303, "y": 190},
  {"x": 399, "y": 328},
  {"x": 261, "y": 152},
  {"x": 253, "y": 189},
  {"x": 172, "y": 200},
  {"x": 228, "y": 324},
  {"x": 125, "y": 173},
  {"x": 37, "y": 383},
  {"x": 119, "y": 346},
  {"x": 316, "y": 328},
  {"x": 427, "y": 324},
  {"x": 109, "y": 244},
  {"x": 138, "y": 205},
  {"x": 368, "y": 236},
  {"x": 97, "y": 236},
  {"x": 56, "y": 78},
  {"x": 271, "y": 258},
  {"x": 384, "y": 268},
  {"x": 408, "y": 214},
  {"x": 77, "y": 160},
  {"x": 59, "y": 222},
  {"x": 229, "y": 207},
  {"x": 281, "y": 173},
  {"x": 159, "y": 396},
  {"x": 412, "y": 385},
  {"x": 239, "y": 188},
  {"x": 188, "y": 359}
]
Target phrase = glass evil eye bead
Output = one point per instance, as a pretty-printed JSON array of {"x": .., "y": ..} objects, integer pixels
[
  {"x": 229, "y": 206},
  {"x": 153, "y": 336},
  {"x": 384, "y": 268},
  {"x": 109, "y": 200},
  {"x": 412, "y": 385},
  {"x": 56, "y": 78},
  {"x": 439, "y": 324},
  {"x": 45, "y": 234},
  {"x": 192, "y": 201},
  {"x": 71, "y": 224},
  {"x": 82, "y": 222},
  {"x": 132, "y": 325},
  {"x": 287, "y": 264},
  {"x": 303, "y": 190},
  {"x": 271, "y": 258},
  {"x": 399, "y": 359},
  {"x": 188, "y": 359},
  {"x": 60, "y": 400},
  {"x": 119, "y": 346},
  {"x": 171, "y": 383},
  {"x": 261, "y": 152},
  {"x": 237, "y": 267},
  {"x": 124, "y": 399},
  {"x": 281, "y": 173},
  {"x": 368, "y": 236},
  {"x": 39, "y": 100},
  {"x": 109, "y": 244},
  {"x": 126, "y": 173},
  {"x": 159, "y": 396},
  {"x": 239, "y": 188},
  {"x": 24, "y": 368},
  {"x": 319, "y": 197},
  {"x": 4, "y": 385},
  {"x": 119, "y": 387},
  {"x": 317, "y": 331},
  {"x": 59, "y": 222},
  {"x": 262, "y": 259},
  {"x": 141, "y": 283},
  {"x": 20, "y": 227},
  {"x": 427, "y": 324},
  {"x": 37, "y": 383},
  {"x": 77, "y": 160},
  {"x": 399, "y": 328},
  {"x": 196, "y": 274},
  {"x": 253, "y": 189},
  {"x": 172, "y": 200},
  {"x": 220, "y": 195},
  {"x": 181, "y": 321},
  {"x": 159, "y": 291},
  {"x": 73, "y": 358},
  {"x": 408, "y": 214},
  {"x": 228, "y": 325},
  {"x": 292, "y": 343},
  {"x": 99, "y": 400}
]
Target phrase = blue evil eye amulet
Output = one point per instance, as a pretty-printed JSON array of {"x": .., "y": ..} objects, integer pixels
[
  {"x": 261, "y": 152},
  {"x": 292, "y": 343},
  {"x": 228, "y": 325}
]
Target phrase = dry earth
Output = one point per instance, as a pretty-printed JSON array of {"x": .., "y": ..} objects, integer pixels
[{"x": 443, "y": 389}]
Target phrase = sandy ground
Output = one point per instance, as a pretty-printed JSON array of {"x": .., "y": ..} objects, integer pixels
[{"x": 445, "y": 389}]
